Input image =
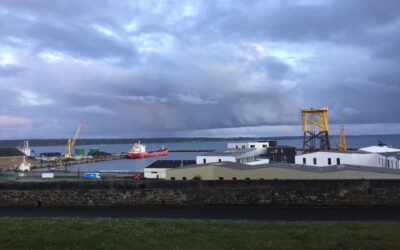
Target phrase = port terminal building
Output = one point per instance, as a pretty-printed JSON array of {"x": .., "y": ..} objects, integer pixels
[{"x": 250, "y": 153}]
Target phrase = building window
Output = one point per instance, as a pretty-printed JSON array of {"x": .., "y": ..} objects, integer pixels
[
  {"x": 221, "y": 178},
  {"x": 243, "y": 146},
  {"x": 219, "y": 160},
  {"x": 204, "y": 161},
  {"x": 329, "y": 161},
  {"x": 304, "y": 161},
  {"x": 184, "y": 178},
  {"x": 337, "y": 161},
  {"x": 172, "y": 178},
  {"x": 285, "y": 158},
  {"x": 315, "y": 161},
  {"x": 237, "y": 146},
  {"x": 265, "y": 146},
  {"x": 252, "y": 146}
]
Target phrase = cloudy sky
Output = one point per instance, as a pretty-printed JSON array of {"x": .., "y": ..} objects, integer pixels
[{"x": 196, "y": 68}]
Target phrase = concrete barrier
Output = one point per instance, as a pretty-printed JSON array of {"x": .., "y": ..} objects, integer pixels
[{"x": 129, "y": 193}]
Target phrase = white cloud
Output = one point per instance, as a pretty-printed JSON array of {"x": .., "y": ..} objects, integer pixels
[
  {"x": 145, "y": 99},
  {"x": 193, "y": 99},
  {"x": 32, "y": 98},
  {"x": 7, "y": 58},
  {"x": 51, "y": 56},
  {"x": 93, "y": 109},
  {"x": 258, "y": 48},
  {"x": 105, "y": 31}
]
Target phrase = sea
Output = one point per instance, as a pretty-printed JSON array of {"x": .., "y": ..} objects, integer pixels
[{"x": 140, "y": 164}]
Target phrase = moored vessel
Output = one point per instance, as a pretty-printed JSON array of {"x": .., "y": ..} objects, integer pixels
[{"x": 139, "y": 151}]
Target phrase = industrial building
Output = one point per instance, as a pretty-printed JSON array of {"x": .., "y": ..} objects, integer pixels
[
  {"x": 260, "y": 146},
  {"x": 281, "y": 154},
  {"x": 389, "y": 160},
  {"x": 240, "y": 155},
  {"x": 251, "y": 153},
  {"x": 237, "y": 171},
  {"x": 374, "y": 156},
  {"x": 10, "y": 158},
  {"x": 157, "y": 169}
]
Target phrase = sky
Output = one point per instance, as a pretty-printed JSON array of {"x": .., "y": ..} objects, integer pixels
[{"x": 196, "y": 68}]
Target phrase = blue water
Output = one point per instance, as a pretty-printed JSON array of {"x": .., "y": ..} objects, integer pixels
[{"x": 140, "y": 164}]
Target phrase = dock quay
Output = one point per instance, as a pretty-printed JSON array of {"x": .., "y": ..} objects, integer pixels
[
  {"x": 190, "y": 150},
  {"x": 69, "y": 162}
]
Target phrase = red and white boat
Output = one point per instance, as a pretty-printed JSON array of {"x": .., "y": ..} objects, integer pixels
[{"x": 139, "y": 151}]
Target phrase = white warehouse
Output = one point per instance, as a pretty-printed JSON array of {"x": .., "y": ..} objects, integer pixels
[
  {"x": 157, "y": 169},
  {"x": 247, "y": 155},
  {"x": 260, "y": 146},
  {"x": 251, "y": 153},
  {"x": 329, "y": 158},
  {"x": 375, "y": 156}
]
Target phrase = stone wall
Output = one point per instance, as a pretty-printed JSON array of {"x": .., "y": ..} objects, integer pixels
[{"x": 201, "y": 193}]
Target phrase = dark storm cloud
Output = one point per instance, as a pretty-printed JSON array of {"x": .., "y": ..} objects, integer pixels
[{"x": 133, "y": 68}]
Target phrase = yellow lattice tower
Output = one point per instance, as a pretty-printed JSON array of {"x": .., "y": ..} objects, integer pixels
[
  {"x": 315, "y": 127},
  {"x": 342, "y": 140}
]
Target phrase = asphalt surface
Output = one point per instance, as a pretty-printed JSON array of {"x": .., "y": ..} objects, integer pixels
[{"x": 230, "y": 213}]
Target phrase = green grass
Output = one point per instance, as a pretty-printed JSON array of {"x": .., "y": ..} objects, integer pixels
[{"x": 78, "y": 233}]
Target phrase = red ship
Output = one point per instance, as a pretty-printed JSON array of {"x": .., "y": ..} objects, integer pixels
[{"x": 139, "y": 151}]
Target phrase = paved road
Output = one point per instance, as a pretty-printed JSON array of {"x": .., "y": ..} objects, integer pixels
[{"x": 235, "y": 213}]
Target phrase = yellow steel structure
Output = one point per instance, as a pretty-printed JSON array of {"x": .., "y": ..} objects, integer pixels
[
  {"x": 315, "y": 126},
  {"x": 315, "y": 118},
  {"x": 72, "y": 141},
  {"x": 342, "y": 140}
]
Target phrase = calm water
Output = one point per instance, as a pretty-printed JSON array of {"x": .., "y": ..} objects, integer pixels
[{"x": 140, "y": 164}]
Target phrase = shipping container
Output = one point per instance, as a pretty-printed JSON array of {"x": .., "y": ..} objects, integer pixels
[
  {"x": 79, "y": 151},
  {"x": 91, "y": 176},
  {"x": 93, "y": 151}
]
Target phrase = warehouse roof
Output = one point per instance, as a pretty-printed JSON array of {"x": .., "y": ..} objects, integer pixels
[
  {"x": 379, "y": 149},
  {"x": 10, "y": 152},
  {"x": 349, "y": 151},
  {"x": 170, "y": 163},
  {"x": 229, "y": 152},
  {"x": 306, "y": 168}
]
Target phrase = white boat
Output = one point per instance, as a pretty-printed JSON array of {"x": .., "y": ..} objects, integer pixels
[{"x": 24, "y": 166}]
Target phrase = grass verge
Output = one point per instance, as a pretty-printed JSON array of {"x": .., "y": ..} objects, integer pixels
[{"x": 102, "y": 233}]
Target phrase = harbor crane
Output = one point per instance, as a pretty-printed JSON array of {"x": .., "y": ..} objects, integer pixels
[
  {"x": 342, "y": 140},
  {"x": 72, "y": 141}
]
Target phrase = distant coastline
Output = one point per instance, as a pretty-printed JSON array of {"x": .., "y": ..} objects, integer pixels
[{"x": 85, "y": 141}]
